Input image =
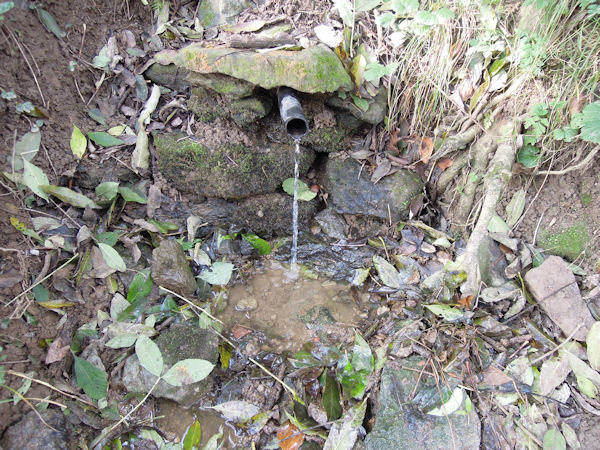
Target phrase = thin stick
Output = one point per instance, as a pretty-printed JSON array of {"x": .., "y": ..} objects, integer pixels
[
  {"x": 49, "y": 386},
  {"x": 43, "y": 279},
  {"x": 558, "y": 347},
  {"x": 30, "y": 68},
  {"x": 17, "y": 393}
]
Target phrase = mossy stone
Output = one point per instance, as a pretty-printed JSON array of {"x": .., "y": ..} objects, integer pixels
[
  {"x": 249, "y": 110},
  {"x": 569, "y": 242},
  {"x": 326, "y": 139},
  {"x": 312, "y": 70},
  {"x": 271, "y": 214},
  {"x": 205, "y": 104},
  {"x": 229, "y": 170},
  {"x": 223, "y": 84},
  {"x": 170, "y": 76}
]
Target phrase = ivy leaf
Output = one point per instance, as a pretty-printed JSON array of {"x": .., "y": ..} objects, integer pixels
[
  {"x": 69, "y": 196},
  {"x": 188, "y": 371},
  {"x": 78, "y": 142},
  {"x": 92, "y": 380},
  {"x": 331, "y": 398},
  {"x": 149, "y": 355},
  {"x": 112, "y": 257},
  {"x": 34, "y": 178},
  {"x": 261, "y": 245},
  {"x": 590, "y": 129},
  {"x": 140, "y": 286},
  {"x": 529, "y": 156},
  {"x": 104, "y": 139},
  {"x": 219, "y": 273}
]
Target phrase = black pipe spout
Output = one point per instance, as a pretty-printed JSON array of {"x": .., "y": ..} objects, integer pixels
[{"x": 291, "y": 113}]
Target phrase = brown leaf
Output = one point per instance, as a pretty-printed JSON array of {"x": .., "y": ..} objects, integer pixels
[
  {"x": 239, "y": 331},
  {"x": 576, "y": 104},
  {"x": 444, "y": 163},
  {"x": 57, "y": 350},
  {"x": 465, "y": 302},
  {"x": 285, "y": 433},
  {"x": 495, "y": 377},
  {"x": 396, "y": 161},
  {"x": 392, "y": 144},
  {"x": 382, "y": 170},
  {"x": 426, "y": 149},
  {"x": 465, "y": 89}
]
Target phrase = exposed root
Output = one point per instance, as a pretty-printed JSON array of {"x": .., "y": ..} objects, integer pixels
[
  {"x": 451, "y": 172},
  {"x": 579, "y": 166},
  {"x": 497, "y": 176},
  {"x": 456, "y": 142},
  {"x": 479, "y": 155}
]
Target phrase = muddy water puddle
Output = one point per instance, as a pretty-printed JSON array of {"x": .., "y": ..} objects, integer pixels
[{"x": 290, "y": 309}]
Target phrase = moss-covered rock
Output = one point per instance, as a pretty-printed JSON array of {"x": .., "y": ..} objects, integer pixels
[
  {"x": 169, "y": 75},
  {"x": 217, "y": 12},
  {"x": 206, "y": 104},
  {"x": 326, "y": 139},
  {"x": 569, "y": 243},
  {"x": 228, "y": 170},
  {"x": 249, "y": 110},
  {"x": 271, "y": 214},
  {"x": 391, "y": 196},
  {"x": 312, "y": 70},
  {"x": 223, "y": 84},
  {"x": 376, "y": 112}
]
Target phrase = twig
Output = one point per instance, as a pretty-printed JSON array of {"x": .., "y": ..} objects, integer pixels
[
  {"x": 558, "y": 347},
  {"x": 17, "y": 393},
  {"x": 30, "y": 68},
  {"x": 48, "y": 385},
  {"x": 43, "y": 279}
]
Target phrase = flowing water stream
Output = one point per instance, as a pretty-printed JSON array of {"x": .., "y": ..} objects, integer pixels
[{"x": 295, "y": 209}]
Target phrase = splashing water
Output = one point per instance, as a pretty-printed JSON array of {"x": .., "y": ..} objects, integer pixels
[{"x": 295, "y": 210}]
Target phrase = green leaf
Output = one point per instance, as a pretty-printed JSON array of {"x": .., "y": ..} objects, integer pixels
[
  {"x": 188, "y": 371},
  {"x": 95, "y": 114},
  {"x": 108, "y": 190},
  {"x": 554, "y": 440},
  {"x": 387, "y": 273},
  {"x": 304, "y": 193},
  {"x": 593, "y": 346},
  {"x": 515, "y": 207},
  {"x": 366, "y": 5},
  {"x": 404, "y": 7},
  {"x": 149, "y": 355},
  {"x": 26, "y": 148},
  {"x": 40, "y": 293},
  {"x": 108, "y": 237},
  {"x": 540, "y": 110},
  {"x": 112, "y": 258},
  {"x": 34, "y": 178},
  {"x": 529, "y": 156},
  {"x": 49, "y": 23},
  {"x": 192, "y": 437},
  {"x": 449, "y": 406},
  {"x": 360, "y": 103},
  {"x": 386, "y": 19},
  {"x": 497, "y": 225},
  {"x": 78, "y": 142},
  {"x": 92, "y": 380},
  {"x": 375, "y": 71},
  {"x": 213, "y": 442},
  {"x": 101, "y": 60},
  {"x": 261, "y": 245},
  {"x": 331, "y": 398},
  {"x": 447, "y": 312},
  {"x": 104, "y": 139},
  {"x": 164, "y": 227},
  {"x": 219, "y": 273},
  {"x": 6, "y": 6},
  {"x": 68, "y": 196},
  {"x": 140, "y": 286},
  {"x": 131, "y": 195},
  {"x": 590, "y": 129}
]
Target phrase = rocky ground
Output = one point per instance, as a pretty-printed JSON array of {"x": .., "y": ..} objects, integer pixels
[{"x": 146, "y": 222}]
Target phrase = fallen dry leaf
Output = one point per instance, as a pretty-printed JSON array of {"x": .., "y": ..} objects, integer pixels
[
  {"x": 239, "y": 331},
  {"x": 495, "y": 377},
  {"x": 288, "y": 439},
  {"x": 426, "y": 149},
  {"x": 465, "y": 302},
  {"x": 57, "y": 350},
  {"x": 392, "y": 144},
  {"x": 444, "y": 163}
]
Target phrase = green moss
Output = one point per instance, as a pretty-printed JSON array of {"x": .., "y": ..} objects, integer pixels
[
  {"x": 325, "y": 139},
  {"x": 569, "y": 243},
  {"x": 586, "y": 199}
]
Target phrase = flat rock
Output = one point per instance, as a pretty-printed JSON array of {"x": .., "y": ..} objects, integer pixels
[
  {"x": 312, "y": 70},
  {"x": 554, "y": 287},
  {"x": 177, "y": 343},
  {"x": 402, "y": 424},
  {"x": 171, "y": 269},
  {"x": 31, "y": 434},
  {"x": 391, "y": 196}
]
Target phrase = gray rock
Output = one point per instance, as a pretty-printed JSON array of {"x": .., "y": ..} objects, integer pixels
[
  {"x": 31, "y": 434},
  {"x": 171, "y": 269},
  {"x": 169, "y": 75},
  {"x": 336, "y": 262},
  {"x": 401, "y": 422},
  {"x": 217, "y": 12},
  {"x": 230, "y": 87},
  {"x": 177, "y": 343},
  {"x": 554, "y": 287},
  {"x": 332, "y": 224},
  {"x": 249, "y": 110},
  {"x": 360, "y": 196}
]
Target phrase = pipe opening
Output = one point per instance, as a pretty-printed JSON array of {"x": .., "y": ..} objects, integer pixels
[{"x": 296, "y": 128}]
